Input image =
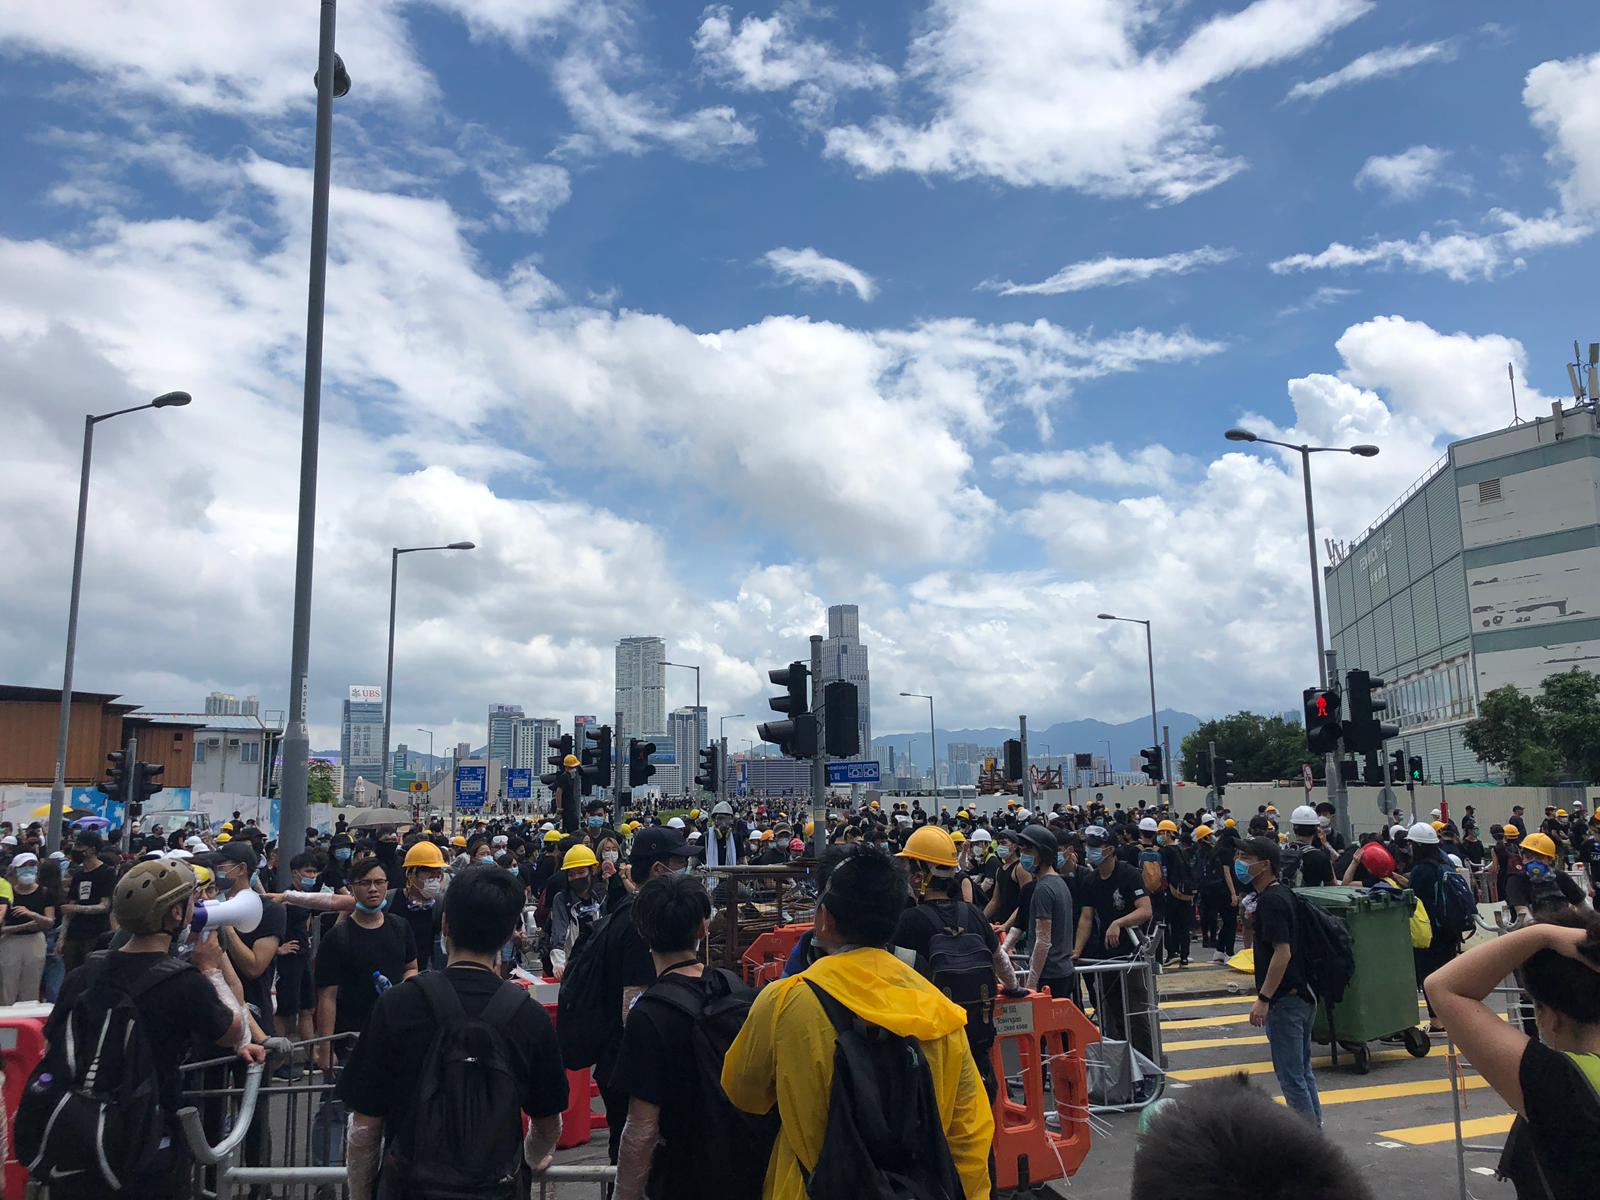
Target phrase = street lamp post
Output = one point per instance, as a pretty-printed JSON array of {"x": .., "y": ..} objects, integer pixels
[
  {"x": 388, "y": 678},
  {"x": 58, "y": 786},
  {"x": 1305, "y": 452},
  {"x": 696, "y": 670},
  {"x": 722, "y": 752},
  {"x": 933, "y": 743},
  {"x": 1109, "y": 772},
  {"x": 331, "y": 80},
  {"x": 1150, "y": 655},
  {"x": 432, "y": 766}
]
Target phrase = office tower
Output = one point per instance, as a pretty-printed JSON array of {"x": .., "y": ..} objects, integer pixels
[
  {"x": 361, "y": 736},
  {"x": 502, "y": 742},
  {"x": 641, "y": 687},
  {"x": 688, "y": 732},
  {"x": 845, "y": 658}
]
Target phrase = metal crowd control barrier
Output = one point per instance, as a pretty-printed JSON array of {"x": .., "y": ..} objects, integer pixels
[
  {"x": 236, "y": 1113},
  {"x": 1127, "y": 1067}
]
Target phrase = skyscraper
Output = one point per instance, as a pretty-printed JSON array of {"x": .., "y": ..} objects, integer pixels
[
  {"x": 361, "y": 736},
  {"x": 642, "y": 686},
  {"x": 531, "y": 747},
  {"x": 688, "y": 736},
  {"x": 503, "y": 720},
  {"x": 844, "y": 657}
]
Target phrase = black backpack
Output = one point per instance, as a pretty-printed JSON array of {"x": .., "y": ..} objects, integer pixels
[
  {"x": 466, "y": 1136},
  {"x": 588, "y": 1021},
  {"x": 91, "y": 1111},
  {"x": 1458, "y": 907},
  {"x": 1289, "y": 865},
  {"x": 739, "y": 1143},
  {"x": 885, "y": 1138},
  {"x": 962, "y": 967},
  {"x": 1323, "y": 945}
]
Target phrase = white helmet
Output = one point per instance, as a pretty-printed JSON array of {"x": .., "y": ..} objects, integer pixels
[
  {"x": 1304, "y": 815},
  {"x": 980, "y": 835},
  {"x": 675, "y": 823},
  {"x": 1423, "y": 834},
  {"x": 1399, "y": 831},
  {"x": 547, "y": 827},
  {"x": 1148, "y": 825},
  {"x": 722, "y": 809},
  {"x": 1434, "y": 815},
  {"x": 1454, "y": 861},
  {"x": 1208, "y": 818}
]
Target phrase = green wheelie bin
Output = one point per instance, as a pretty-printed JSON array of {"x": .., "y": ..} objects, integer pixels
[{"x": 1381, "y": 1000}]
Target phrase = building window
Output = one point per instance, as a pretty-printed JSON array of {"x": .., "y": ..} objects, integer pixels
[
  {"x": 249, "y": 752},
  {"x": 199, "y": 753}
]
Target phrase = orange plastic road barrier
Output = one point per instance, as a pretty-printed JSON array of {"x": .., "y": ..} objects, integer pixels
[
  {"x": 764, "y": 958},
  {"x": 580, "y": 1120},
  {"x": 21, "y": 1048},
  {"x": 1045, "y": 1032}
]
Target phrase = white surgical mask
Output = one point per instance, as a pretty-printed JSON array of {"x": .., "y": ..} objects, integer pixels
[
  {"x": 609, "y": 856},
  {"x": 432, "y": 887}
]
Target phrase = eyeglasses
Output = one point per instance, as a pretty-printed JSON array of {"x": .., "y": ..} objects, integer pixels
[{"x": 381, "y": 882}]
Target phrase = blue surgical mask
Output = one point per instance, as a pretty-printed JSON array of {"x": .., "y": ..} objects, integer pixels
[
  {"x": 306, "y": 885},
  {"x": 27, "y": 878},
  {"x": 1161, "y": 839},
  {"x": 1030, "y": 862},
  {"x": 1095, "y": 855},
  {"x": 1240, "y": 871},
  {"x": 1061, "y": 861},
  {"x": 376, "y": 908},
  {"x": 1006, "y": 851},
  {"x": 596, "y": 822},
  {"x": 343, "y": 853}
]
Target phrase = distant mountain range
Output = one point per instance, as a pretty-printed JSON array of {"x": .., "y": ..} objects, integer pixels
[{"x": 1062, "y": 738}]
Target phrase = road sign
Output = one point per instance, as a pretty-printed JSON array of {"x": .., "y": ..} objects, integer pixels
[
  {"x": 853, "y": 772},
  {"x": 1307, "y": 778},
  {"x": 419, "y": 785},
  {"x": 519, "y": 783},
  {"x": 471, "y": 785}
]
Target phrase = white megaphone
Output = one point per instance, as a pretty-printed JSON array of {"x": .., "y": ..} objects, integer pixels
[{"x": 243, "y": 912}]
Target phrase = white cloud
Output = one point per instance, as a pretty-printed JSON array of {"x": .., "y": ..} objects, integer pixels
[
  {"x": 1084, "y": 95},
  {"x": 1150, "y": 466},
  {"x": 1563, "y": 100},
  {"x": 1321, "y": 298},
  {"x": 1375, "y": 64},
  {"x": 1111, "y": 271},
  {"x": 1405, "y": 175},
  {"x": 809, "y": 267},
  {"x": 769, "y": 54}
]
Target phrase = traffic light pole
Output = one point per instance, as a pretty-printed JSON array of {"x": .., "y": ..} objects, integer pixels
[
  {"x": 1337, "y": 796},
  {"x": 819, "y": 761},
  {"x": 1027, "y": 780},
  {"x": 130, "y": 782},
  {"x": 1166, "y": 754},
  {"x": 722, "y": 769}
]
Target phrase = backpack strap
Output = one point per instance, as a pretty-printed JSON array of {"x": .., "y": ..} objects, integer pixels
[
  {"x": 676, "y": 992},
  {"x": 842, "y": 1018},
  {"x": 503, "y": 1006},
  {"x": 440, "y": 995},
  {"x": 158, "y": 973}
]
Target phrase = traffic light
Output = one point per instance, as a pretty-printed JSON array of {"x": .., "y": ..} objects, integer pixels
[
  {"x": 1416, "y": 774},
  {"x": 640, "y": 768},
  {"x": 1322, "y": 720},
  {"x": 707, "y": 778},
  {"x": 796, "y": 737},
  {"x": 595, "y": 769},
  {"x": 144, "y": 786},
  {"x": 1013, "y": 756},
  {"x": 1397, "y": 765},
  {"x": 1221, "y": 774},
  {"x": 841, "y": 720},
  {"x": 1371, "y": 769},
  {"x": 1152, "y": 763},
  {"x": 115, "y": 784},
  {"x": 1365, "y": 731},
  {"x": 562, "y": 747}
]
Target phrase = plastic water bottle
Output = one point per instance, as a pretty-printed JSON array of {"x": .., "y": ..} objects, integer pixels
[{"x": 380, "y": 982}]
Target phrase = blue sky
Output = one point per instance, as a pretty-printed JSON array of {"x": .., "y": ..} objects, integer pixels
[{"x": 698, "y": 319}]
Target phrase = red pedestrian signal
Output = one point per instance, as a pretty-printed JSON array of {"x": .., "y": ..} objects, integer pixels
[{"x": 1323, "y": 731}]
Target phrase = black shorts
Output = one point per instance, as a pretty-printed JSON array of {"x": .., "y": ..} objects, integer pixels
[{"x": 295, "y": 992}]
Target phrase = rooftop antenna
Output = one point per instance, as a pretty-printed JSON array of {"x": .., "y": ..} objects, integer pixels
[{"x": 1511, "y": 374}]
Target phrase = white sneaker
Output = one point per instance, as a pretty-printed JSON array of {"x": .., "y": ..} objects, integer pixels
[{"x": 1219, "y": 957}]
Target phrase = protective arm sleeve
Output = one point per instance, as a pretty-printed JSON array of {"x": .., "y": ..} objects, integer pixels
[
  {"x": 1041, "y": 950},
  {"x": 540, "y": 1141},
  {"x": 363, "y": 1142},
  {"x": 638, "y": 1147},
  {"x": 241, "y": 1020},
  {"x": 320, "y": 901},
  {"x": 1003, "y": 969}
]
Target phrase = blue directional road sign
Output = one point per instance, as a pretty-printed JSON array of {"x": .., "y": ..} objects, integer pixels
[
  {"x": 519, "y": 783},
  {"x": 853, "y": 772},
  {"x": 471, "y": 784}
]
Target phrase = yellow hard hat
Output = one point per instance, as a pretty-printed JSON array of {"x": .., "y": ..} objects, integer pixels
[
  {"x": 203, "y": 876},
  {"x": 875, "y": 804},
  {"x": 1230, "y": 823},
  {"x": 570, "y": 760},
  {"x": 1438, "y": 825},
  {"x": 694, "y": 814},
  {"x": 578, "y": 856},
  {"x": 459, "y": 842},
  {"x": 1540, "y": 844},
  {"x": 1561, "y": 812},
  {"x": 552, "y": 835},
  {"x": 766, "y": 835},
  {"x": 1272, "y": 808},
  {"x": 424, "y": 854},
  {"x": 1167, "y": 827},
  {"x": 224, "y": 837},
  {"x": 930, "y": 844},
  {"x": 958, "y": 837},
  {"x": 961, "y": 812},
  {"x": 1512, "y": 833},
  {"x": 227, "y": 826},
  {"x": 1201, "y": 832},
  {"x": 811, "y": 828}
]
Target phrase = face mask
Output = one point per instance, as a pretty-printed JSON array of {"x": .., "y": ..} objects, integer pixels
[
  {"x": 432, "y": 887},
  {"x": 596, "y": 822},
  {"x": 683, "y": 870},
  {"x": 1240, "y": 871},
  {"x": 1161, "y": 839},
  {"x": 1536, "y": 871},
  {"x": 343, "y": 853},
  {"x": 1095, "y": 854},
  {"x": 480, "y": 862},
  {"x": 1061, "y": 861},
  {"x": 1006, "y": 851},
  {"x": 376, "y": 908},
  {"x": 27, "y": 878},
  {"x": 1030, "y": 862},
  {"x": 609, "y": 856},
  {"x": 306, "y": 885}
]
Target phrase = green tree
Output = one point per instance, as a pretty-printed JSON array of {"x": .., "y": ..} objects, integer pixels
[
  {"x": 1261, "y": 748},
  {"x": 319, "y": 783},
  {"x": 1569, "y": 702},
  {"x": 1508, "y": 726}
]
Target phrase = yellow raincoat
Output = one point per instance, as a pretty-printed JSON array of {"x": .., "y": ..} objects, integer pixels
[{"x": 784, "y": 1055}]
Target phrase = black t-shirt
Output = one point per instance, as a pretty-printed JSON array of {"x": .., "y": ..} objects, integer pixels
[
  {"x": 349, "y": 956},
  {"x": 629, "y": 969},
  {"x": 654, "y": 1065},
  {"x": 258, "y": 991},
  {"x": 173, "y": 1013},
  {"x": 1556, "y": 1139},
  {"x": 1275, "y": 923},
  {"x": 381, "y": 1077},
  {"x": 918, "y": 925},
  {"x": 35, "y": 901},
  {"x": 91, "y": 887},
  {"x": 424, "y": 921},
  {"x": 1316, "y": 867},
  {"x": 1111, "y": 898},
  {"x": 1128, "y": 852}
]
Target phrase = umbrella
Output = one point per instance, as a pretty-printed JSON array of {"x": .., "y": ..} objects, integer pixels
[
  {"x": 85, "y": 822},
  {"x": 44, "y": 811},
  {"x": 380, "y": 816}
]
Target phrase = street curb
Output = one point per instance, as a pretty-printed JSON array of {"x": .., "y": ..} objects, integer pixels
[{"x": 1213, "y": 993}]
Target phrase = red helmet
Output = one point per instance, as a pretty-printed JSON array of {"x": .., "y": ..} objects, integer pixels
[{"x": 1378, "y": 861}]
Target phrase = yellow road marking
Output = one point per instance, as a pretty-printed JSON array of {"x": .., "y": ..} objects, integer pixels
[
  {"x": 1213, "y": 1043},
  {"x": 1245, "y": 999},
  {"x": 1208, "y": 1022},
  {"x": 1192, "y": 1074},
  {"x": 1429, "y": 1135},
  {"x": 1395, "y": 1091}
]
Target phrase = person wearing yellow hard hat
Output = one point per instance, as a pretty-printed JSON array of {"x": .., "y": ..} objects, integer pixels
[
  {"x": 1541, "y": 886},
  {"x": 574, "y": 907}
]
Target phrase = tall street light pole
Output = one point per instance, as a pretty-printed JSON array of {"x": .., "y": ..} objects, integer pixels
[
  {"x": 933, "y": 742},
  {"x": 388, "y": 678},
  {"x": 696, "y": 670},
  {"x": 331, "y": 80},
  {"x": 58, "y": 786},
  {"x": 1305, "y": 452},
  {"x": 431, "y": 766},
  {"x": 1150, "y": 656}
]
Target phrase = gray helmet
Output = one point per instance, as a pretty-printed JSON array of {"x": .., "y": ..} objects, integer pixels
[
  {"x": 1041, "y": 839},
  {"x": 722, "y": 809}
]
